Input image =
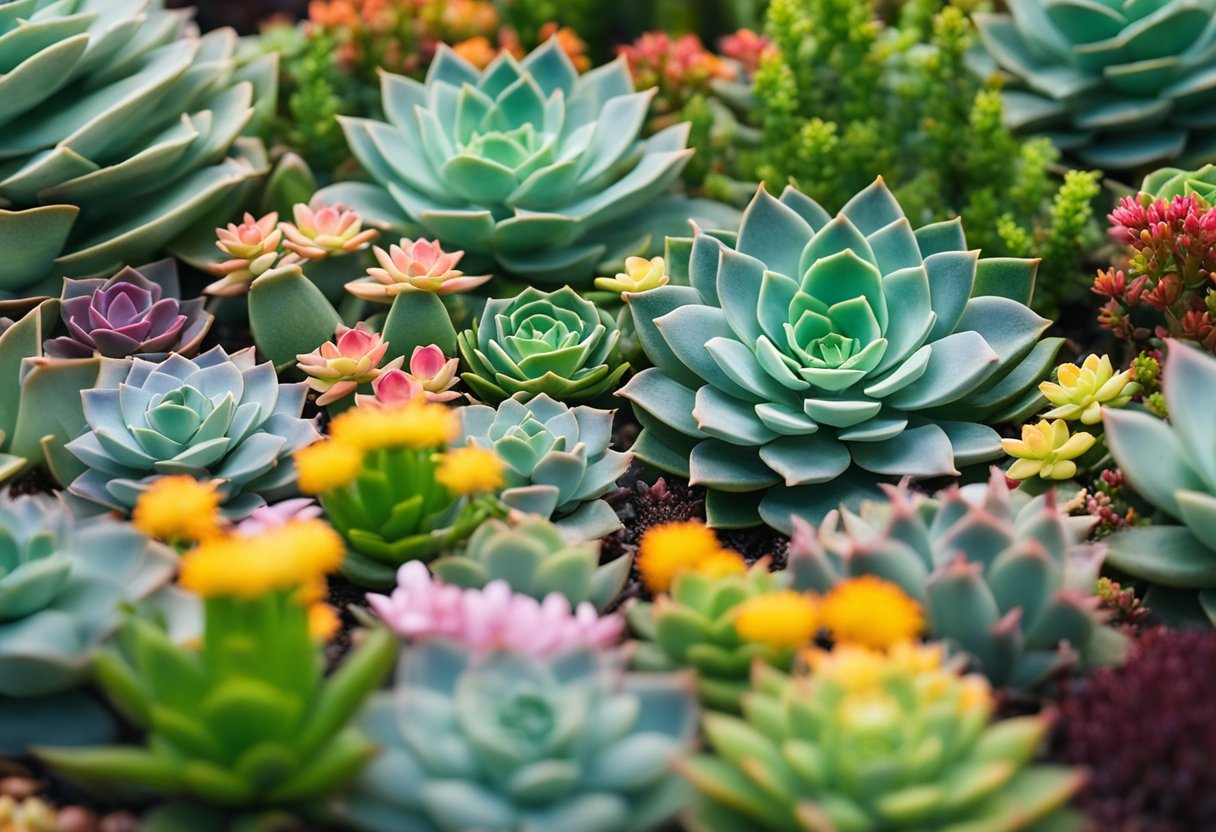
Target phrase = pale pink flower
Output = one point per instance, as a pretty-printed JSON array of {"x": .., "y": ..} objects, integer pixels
[
  {"x": 327, "y": 230},
  {"x": 492, "y": 618},
  {"x": 431, "y": 375},
  {"x": 254, "y": 248},
  {"x": 414, "y": 266},
  {"x": 338, "y": 367},
  {"x": 270, "y": 517}
]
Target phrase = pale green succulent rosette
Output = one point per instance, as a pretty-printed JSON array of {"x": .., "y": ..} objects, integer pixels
[
  {"x": 1168, "y": 183},
  {"x": 1121, "y": 85},
  {"x": 559, "y": 460},
  {"x": 554, "y": 343},
  {"x": 118, "y": 126},
  {"x": 811, "y": 357},
  {"x": 1173, "y": 466},
  {"x": 218, "y": 417},
  {"x": 526, "y": 166},
  {"x": 506, "y": 742}
]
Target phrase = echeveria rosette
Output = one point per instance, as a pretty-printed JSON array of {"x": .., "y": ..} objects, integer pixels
[
  {"x": 218, "y": 417},
  {"x": 1003, "y": 577},
  {"x": 1172, "y": 465},
  {"x": 63, "y": 582},
  {"x": 556, "y": 343},
  {"x": 1168, "y": 183},
  {"x": 119, "y": 128},
  {"x": 526, "y": 165},
  {"x": 812, "y": 357},
  {"x": 559, "y": 460},
  {"x": 135, "y": 312},
  {"x": 1122, "y": 85},
  {"x": 570, "y": 742}
]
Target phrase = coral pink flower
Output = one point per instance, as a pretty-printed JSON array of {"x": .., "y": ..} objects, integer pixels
[
  {"x": 254, "y": 248},
  {"x": 338, "y": 367},
  {"x": 325, "y": 231},
  {"x": 391, "y": 388},
  {"x": 432, "y": 375},
  {"x": 414, "y": 266},
  {"x": 493, "y": 618},
  {"x": 746, "y": 47}
]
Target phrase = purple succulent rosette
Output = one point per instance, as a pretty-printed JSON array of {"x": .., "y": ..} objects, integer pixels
[{"x": 135, "y": 312}]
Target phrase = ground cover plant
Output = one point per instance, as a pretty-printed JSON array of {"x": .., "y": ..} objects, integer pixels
[{"x": 519, "y": 416}]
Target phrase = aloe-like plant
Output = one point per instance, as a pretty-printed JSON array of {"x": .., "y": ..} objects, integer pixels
[
  {"x": 571, "y": 742},
  {"x": 119, "y": 129},
  {"x": 1121, "y": 85},
  {"x": 216, "y": 417},
  {"x": 526, "y": 166},
  {"x": 1173, "y": 466},
  {"x": 559, "y": 461},
  {"x": 810, "y": 357}
]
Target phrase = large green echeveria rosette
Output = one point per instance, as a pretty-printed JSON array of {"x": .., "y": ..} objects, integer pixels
[
  {"x": 527, "y": 166},
  {"x": 218, "y": 417},
  {"x": 810, "y": 357},
  {"x": 1172, "y": 465},
  {"x": 1122, "y": 85},
  {"x": 118, "y": 133},
  {"x": 554, "y": 343}
]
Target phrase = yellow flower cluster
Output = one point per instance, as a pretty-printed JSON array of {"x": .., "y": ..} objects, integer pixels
[
  {"x": 783, "y": 620},
  {"x": 179, "y": 508},
  {"x": 470, "y": 470},
  {"x": 326, "y": 465},
  {"x": 672, "y": 548},
  {"x": 297, "y": 554},
  {"x": 870, "y": 612},
  {"x": 418, "y": 424},
  {"x": 864, "y": 674}
]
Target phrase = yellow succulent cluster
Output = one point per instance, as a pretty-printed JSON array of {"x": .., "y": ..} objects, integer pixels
[
  {"x": 671, "y": 548},
  {"x": 179, "y": 509},
  {"x": 1047, "y": 450},
  {"x": 295, "y": 555},
  {"x": 1081, "y": 392},
  {"x": 640, "y": 275}
]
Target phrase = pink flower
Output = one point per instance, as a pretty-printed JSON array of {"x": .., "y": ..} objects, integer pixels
[
  {"x": 431, "y": 375},
  {"x": 254, "y": 248},
  {"x": 492, "y": 618},
  {"x": 414, "y": 266},
  {"x": 391, "y": 388},
  {"x": 337, "y": 368},
  {"x": 271, "y": 517},
  {"x": 746, "y": 47},
  {"x": 325, "y": 231}
]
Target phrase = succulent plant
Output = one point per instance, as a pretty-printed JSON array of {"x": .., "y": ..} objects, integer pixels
[
  {"x": 1172, "y": 465},
  {"x": 1120, "y": 85},
  {"x": 324, "y": 231},
  {"x": 119, "y": 125},
  {"x": 337, "y": 368},
  {"x": 135, "y": 312},
  {"x": 252, "y": 247},
  {"x": 566, "y": 743},
  {"x": 558, "y": 460},
  {"x": 414, "y": 266},
  {"x": 1004, "y": 578},
  {"x": 556, "y": 343},
  {"x": 811, "y": 357},
  {"x": 432, "y": 375},
  {"x": 693, "y": 627},
  {"x": 1167, "y": 183},
  {"x": 871, "y": 742},
  {"x": 214, "y": 417},
  {"x": 525, "y": 165},
  {"x": 62, "y": 583},
  {"x": 534, "y": 558}
]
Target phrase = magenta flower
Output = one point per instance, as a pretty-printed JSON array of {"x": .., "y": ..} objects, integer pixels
[
  {"x": 493, "y": 618},
  {"x": 414, "y": 266},
  {"x": 338, "y": 367},
  {"x": 325, "y": 231}
]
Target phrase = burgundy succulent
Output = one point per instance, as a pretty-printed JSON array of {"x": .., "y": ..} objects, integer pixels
[
  {"x": 132, "y": 313},
  {"x": 1146, "y": 732}
]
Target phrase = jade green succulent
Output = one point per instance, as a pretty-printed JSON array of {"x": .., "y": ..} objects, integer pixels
[
  {"x": 693, "y": 627},
  {"x": 40, "y": 408},
  {"x": 63, "y": 581},
  {"x": 1002, "y": 577},
  {"x": 535, "y": 559},
  {"x": 118, "y": 125},
  {"x": 509, "y": 742},
  {"x": 877, "y": 743},
  {"x": 217, "y": 417},
  {"x": 810, "y": 357},
  {"x": 1122, "y": 85},
  {"x": 558, "y": 460},
  {"x": 1168, "y": 183},
  {"x": 1172, "y": 465},
  {"x": 542, "y": 342},
  {"x": 526, "y": 166}
]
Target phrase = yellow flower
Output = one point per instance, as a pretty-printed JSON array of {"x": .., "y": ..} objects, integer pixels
[
  {"x": 640, "y": 275},
  {"x": 323, "y": 621},
  {"x": 1080, "y": 392},
  {"x": 326, "y": 466},
  {"x": 784, "y": 620},
  {"x": 418, "y": 424},
  {"x": 871, "y": 612},
  {"x": 470, "y": 470},
  {"x": 179, "y": 508},
  {"x": 1046, "y": 450},
  {"x": 294, "y": 555},
  {"x": 721, "y": 563},
  {"x": 672, "y": 548}
]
